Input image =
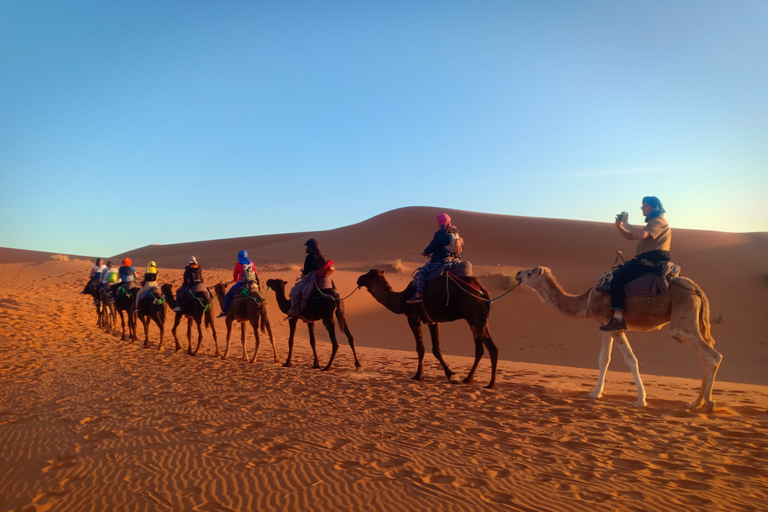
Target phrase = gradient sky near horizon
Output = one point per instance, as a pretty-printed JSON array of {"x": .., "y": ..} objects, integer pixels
[{"x": 124, "y": 124}]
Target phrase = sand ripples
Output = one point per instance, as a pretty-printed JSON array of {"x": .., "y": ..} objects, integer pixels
[{"x": 90, "y": 423}]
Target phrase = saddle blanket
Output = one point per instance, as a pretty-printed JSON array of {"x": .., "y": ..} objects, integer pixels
[
  {"x": 648, "y": 284},
  {"x": 459, "y": 269}
]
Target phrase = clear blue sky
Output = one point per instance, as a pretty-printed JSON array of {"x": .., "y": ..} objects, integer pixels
[{"x": 124, "y": 124}]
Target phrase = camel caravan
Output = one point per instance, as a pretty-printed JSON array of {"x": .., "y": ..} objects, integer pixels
[{"x": 642, "y": 294}]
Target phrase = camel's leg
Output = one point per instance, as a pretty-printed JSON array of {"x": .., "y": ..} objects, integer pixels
[
  {"x": 345, "y": 327},
  {"x": 200, "y": 336},
  {"x": 145, "y": 323},
  {"x": 631, "y": 360},
  {"x": 255, "y": 326},
  {"x": 311, "y": 328},
  {"x": 710, "y": 363},
  {"x": 603, "y": 362},
  {"x": 493, "y": 351},
  {"x": 266, "y": 325},
  {"x": 189, "y": 336},
  {"x": 292, "y": 330},
  {"x": 161, "y": 328},
  {"x": 331, "y": 326},
  {"x": 228, "y": 321},
  {"x": 483, "y": 337},
  {"x": 434, "y": 333},
  {"x": 242, "y": 339},
  {"x": 176, "y": 323},
  {"x": 122, "y": 322},
  {"x": 132, "y": 328},
  {"x": 415, "y": 326}
]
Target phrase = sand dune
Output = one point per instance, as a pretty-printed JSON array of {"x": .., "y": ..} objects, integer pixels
[{"x": 91, "y": 423}]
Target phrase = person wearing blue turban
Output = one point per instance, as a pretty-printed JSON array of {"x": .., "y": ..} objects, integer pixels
[
  {"x": 244, "y": 275},
  {"x": 653, "y": 249}
]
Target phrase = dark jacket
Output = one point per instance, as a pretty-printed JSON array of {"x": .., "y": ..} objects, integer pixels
[
  {"x": 312, "y": 263},
  {"x": 437, "y": 246},
  {"x": 192, "y": 275}
]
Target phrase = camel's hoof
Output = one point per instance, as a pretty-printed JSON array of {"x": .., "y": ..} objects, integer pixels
[
  {"x": 708, "y": 406},
  {"x": 468, "y": 380},
  {"x": 640, "y": 403},
  {"x": 417, "y": 377},
  {"x": 288, "y": 364},
  {"x": 595, "y": 395},
  {"x": 454, "y": 378},
  {"x": 325, "y": 369},
  {"x": 359, "y": 369}
]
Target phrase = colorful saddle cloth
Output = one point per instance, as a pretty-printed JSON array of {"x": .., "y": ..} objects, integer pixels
[{"x": 457, "y": 268}]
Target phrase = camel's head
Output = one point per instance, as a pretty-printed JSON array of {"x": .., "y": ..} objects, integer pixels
[
  {"x": 167, "y": 289},
  {"x": 220, "y": 288},
  {"x": 532, "y": 277},
  {"x": 371, "y": 277},
  {"x": 276, "y": 284}
]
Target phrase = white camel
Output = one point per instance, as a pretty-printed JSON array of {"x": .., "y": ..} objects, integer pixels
[{"x": 684, "y": 306}]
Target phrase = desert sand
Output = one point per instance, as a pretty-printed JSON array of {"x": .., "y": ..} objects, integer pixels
[{"x": 89, "y": 422}]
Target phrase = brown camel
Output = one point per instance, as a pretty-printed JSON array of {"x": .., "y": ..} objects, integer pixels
[
  {"x": 684, "y": 306},
  {"x": 247, "y": 308},
  {"x": 126, "y": 302},
  {"x": 197, "y": 306},
  {"x": 323, "y": 307},
  {"x": 151, "y": 308},
  {"x": 466, "y": 299}
]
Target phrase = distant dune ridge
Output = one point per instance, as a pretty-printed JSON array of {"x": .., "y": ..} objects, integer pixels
[{"x": 91, "y": 423}]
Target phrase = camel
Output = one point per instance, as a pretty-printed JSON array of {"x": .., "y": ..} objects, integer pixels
[
  {"x": 152, "y": 308},
  {"x": 198, "y": 307},
  {"x": 468, "y": 300},
  {"x": 246, "y": 309},
  {"x": 684, "y": 306},
  {"x": 125, "y": 301},
  {"x": 318, "y": 308}
]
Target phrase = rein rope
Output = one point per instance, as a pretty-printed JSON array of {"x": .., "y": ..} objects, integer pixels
[
  {"x": 458, "y": 280},
  {"x": 258, "y": 299}
]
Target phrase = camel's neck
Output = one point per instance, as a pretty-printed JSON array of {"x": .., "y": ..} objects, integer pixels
[
  {"x": 220, "y": 295},
  {"x": 389, "y": 298},
  {"x": 170, "y": 298},
  {"x": 571, "y": 305},
  {"x": 282, "y": 302}
]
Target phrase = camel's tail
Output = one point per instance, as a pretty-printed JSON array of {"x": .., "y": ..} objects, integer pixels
[
  {"x": 340, "y": 317},
  {"x": 704, "y": 320},
  {"x": 263, "y": 319}
]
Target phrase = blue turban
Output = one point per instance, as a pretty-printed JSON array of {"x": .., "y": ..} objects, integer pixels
[
  {"x": 658, "y": 208},
  {"x": 242, "y": 257}
]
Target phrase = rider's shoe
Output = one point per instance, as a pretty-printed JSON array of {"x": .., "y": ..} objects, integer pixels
[{"x": 616, "y": 324}]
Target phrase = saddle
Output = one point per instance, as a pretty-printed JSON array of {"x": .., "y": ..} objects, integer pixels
[
  {"x": 457, "y": 268},
  {"x": 647, "y": 284},
  {"x": 252, "y": 292},
  {"x": 126, "y": 288}
]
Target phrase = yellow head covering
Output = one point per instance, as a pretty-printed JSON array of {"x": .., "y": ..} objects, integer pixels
[{"x": 151, "y": 268}]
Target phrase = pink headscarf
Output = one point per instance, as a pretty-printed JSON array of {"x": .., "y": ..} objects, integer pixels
[{"x": 444, "y": 219}]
